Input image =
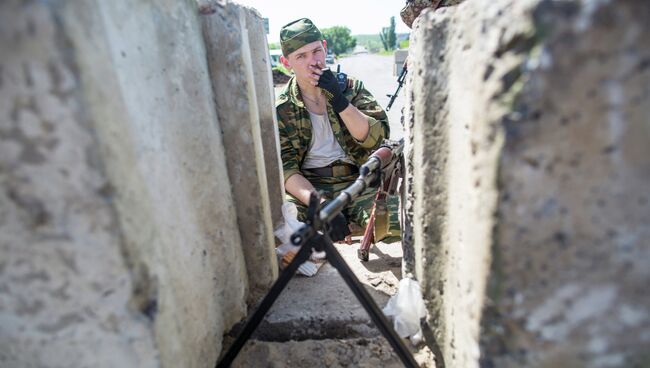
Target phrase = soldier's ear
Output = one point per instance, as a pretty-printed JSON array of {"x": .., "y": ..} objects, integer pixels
[{"x": 285, "y": 62}]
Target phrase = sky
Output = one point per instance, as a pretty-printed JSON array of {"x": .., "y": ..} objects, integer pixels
[{"x": 360, "y": 16}]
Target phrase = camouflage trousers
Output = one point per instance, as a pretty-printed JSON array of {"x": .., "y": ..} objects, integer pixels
[{"x": 357, "y": 212}]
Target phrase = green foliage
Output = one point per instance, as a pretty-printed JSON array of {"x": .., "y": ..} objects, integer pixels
[
  {"x": 372, "y": 42},
  {"x": 338, "y": 39},
  {"x": 388, "y": 36},
  {"x": 404, "y": 44},
  {"x": 282, "y": 69},
  {"x": 274, "y": 46}
]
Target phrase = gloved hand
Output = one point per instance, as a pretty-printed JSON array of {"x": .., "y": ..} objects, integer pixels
[
  {"x": 327, "y": 82},
  {"x": 338, "y": 227}
]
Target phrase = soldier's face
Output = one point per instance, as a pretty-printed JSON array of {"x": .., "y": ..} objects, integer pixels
[{"x": 310, "y": 54}]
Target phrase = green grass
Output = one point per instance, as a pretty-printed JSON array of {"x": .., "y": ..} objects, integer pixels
[{"x": 282, "y": 69}]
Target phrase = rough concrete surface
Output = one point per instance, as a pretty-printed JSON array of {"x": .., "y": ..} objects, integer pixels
[
  {"x": 266, "y": 107},
  {"x": 529, "y": 187},
  {"x": 119, "y": 240},
  {"x": 450, "y": 229},
  {"x": 231, "y": 73},
  {"x": 572, "y": 262},
  {"x": 318, "y": 322},
  {"x": 64, "y": 284},
  {"x": 143, "y": 67},
  {"x": 324, "y": 306},
  {"x": 359, "y": 352}
]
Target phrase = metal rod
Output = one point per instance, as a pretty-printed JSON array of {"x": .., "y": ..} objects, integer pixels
[{"x": 368, "y": 172}]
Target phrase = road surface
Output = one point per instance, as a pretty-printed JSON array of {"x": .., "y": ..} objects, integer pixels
[{"x": 376, "y": 72}]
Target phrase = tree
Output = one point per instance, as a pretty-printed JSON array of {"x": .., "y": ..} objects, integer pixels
[
  {"x": 388, "y": 36},
  {"x": 338, "y": 39}
]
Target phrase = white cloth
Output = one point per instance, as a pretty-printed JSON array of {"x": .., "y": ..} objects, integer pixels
[{"x": 324, "y": 148}]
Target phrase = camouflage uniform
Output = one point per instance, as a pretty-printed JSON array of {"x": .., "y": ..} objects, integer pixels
[
  {"x": 296, "y": 133},
  {"x": 295, "y": 137},
  {"x": 413, "y": 8}
]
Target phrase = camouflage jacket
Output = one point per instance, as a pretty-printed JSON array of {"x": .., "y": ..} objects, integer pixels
[
  {"x": 413, "y": 8},
  {"x": 295, "y": 125}
]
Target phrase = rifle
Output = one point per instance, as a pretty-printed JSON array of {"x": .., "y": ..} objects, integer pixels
[
  {"x": 390, "y": 176},
  {"x": 400, "y": 82},
  {"x": 313, "y": 235}
]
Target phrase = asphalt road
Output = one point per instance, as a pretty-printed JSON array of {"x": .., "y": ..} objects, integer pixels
[{"x": 376, "y": 72}]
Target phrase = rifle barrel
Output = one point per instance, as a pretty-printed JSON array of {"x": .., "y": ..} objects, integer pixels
[{"x": 400, "y": 82}]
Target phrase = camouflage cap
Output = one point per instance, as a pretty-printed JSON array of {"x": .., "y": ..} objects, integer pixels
[{"x": 298, "y": 34}]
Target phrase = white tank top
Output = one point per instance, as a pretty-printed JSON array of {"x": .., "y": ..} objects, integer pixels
[{"x": 324, "y": 148}]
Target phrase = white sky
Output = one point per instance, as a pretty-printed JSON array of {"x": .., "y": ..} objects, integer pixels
[{"x": 361, "y": 16}]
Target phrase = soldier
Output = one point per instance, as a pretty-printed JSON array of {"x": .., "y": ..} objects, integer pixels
[
  {"x": 413, "y": 8},
  {"x": 326, "y": 133}
]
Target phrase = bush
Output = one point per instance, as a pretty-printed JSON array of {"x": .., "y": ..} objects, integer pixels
[{"x": 338, "y": 39}]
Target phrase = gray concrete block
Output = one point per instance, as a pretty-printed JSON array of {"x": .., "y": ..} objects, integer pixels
[
  {"x": 64, "y": 284},
  {"x": 231, "y": 73},
  {"x": 120, "y": 217},
  {"x": 266, "y": 108},
  {"x": 530, "y": 181},
  {"x": 147, "y": 86},
  {"x": 400, "y": 58}
]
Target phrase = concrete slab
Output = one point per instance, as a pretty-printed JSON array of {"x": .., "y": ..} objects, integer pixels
[
  {"x": 317, "y": 321},
  {"x": 362, "y": 352},
  {"x": 324, "y": 307},
  {"x": 231, "y": 73}
]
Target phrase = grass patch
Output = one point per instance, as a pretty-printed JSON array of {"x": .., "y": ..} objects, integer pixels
[{"x": 282, "y": 69}]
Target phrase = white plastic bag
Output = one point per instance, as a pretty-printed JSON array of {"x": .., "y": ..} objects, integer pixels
[
  {"x": 406, "y": 308},
  {"x": 291, "y": 224}
]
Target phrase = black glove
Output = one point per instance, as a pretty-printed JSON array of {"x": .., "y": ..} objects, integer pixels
[
  {"x": 338, "y": 227},
  {"x": 329, "y": 83}
]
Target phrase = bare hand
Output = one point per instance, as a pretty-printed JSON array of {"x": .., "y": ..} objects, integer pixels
[{"x": 316, "y": 72}]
